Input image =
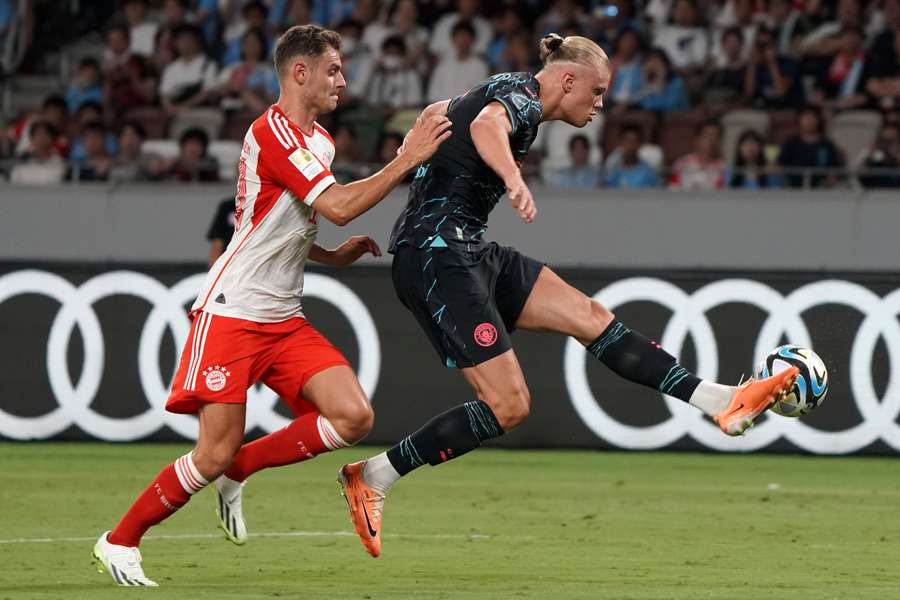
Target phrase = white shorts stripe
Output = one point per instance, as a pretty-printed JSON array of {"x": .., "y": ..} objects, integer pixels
[
  {"x": 192, "y": 377},
  {"x": 195, "y": 343},
  {"x": 275, "y": 130}
]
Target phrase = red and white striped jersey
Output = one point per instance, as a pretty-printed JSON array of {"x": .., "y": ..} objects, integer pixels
[{"x": 281, "y": 173}]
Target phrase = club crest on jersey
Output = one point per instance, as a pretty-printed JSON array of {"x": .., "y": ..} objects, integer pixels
[
  {"x": 308, "y": 165},
  {"x": 216, "y": 377},
  {"x": 485, "y": 335}
]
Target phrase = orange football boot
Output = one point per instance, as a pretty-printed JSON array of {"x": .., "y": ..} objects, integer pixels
[
  {"x": 752, "y": 399},
  {"x": 366, "y": 505}
]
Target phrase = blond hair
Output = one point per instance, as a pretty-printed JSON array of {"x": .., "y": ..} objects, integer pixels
[{"x": 573, "y": 48}]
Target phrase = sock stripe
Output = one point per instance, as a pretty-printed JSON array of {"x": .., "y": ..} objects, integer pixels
[
  {"x": 675, "y": 375},
  {"x": 188, "y": 475},
  {"x": 410, "y": 453},
  {"x": 328, "y": 434},
  {"x": 611, "y": 336},
  {"x": 484, "y": 426}
]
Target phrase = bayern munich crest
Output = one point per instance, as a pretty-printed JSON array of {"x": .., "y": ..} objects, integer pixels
[{"x": 216, "y": 377}]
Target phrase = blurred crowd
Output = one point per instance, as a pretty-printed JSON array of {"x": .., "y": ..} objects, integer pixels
[{"x": 706, "y": 94}]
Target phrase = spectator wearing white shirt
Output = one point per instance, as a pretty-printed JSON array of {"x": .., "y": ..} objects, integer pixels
[
  {"x": 459, "y": 71},
  {"x": 403, "y": 20},
  {"x": 442, "y": 43},
  {"x": 684, "y": 40},
  {"x": 141, "y": 31},
  {"x": 394, "y": 83},
  {"x": 187, "y": 80}
]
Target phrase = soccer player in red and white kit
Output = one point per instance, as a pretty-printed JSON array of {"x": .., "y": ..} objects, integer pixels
[{"x": 248, "y": 325}]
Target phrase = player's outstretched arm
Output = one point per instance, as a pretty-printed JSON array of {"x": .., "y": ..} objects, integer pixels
[
  {"x": 490, "y": 133},
  {"x": 340, "y": 204},
  {"x": 347, "y": 253}
]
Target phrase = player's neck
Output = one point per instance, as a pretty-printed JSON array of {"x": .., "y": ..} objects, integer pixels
[
  {"x": 548, "y": 96},
  {"x": 298, "y": 112}
]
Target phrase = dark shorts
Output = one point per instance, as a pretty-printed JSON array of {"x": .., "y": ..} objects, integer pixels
[{"x": 467, "y": 302}]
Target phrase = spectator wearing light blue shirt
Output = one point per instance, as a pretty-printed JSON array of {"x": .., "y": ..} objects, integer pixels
[
  {"x": 580, "y": 174},
  {"x": 624, "y": 168},
  {"x": 626, "y": 63},
  {"x": 662, "y": 90},
  {"x": 86, "y": 85}
]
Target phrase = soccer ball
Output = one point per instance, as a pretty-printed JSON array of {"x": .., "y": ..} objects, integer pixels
[{"x": 811, "y": 385}]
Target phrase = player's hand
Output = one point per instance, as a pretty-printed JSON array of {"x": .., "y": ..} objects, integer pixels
[
  {"x": 521, "y": 199},
  {"x": 350, "y": 251},
  {"x": 423, "y": 139}
]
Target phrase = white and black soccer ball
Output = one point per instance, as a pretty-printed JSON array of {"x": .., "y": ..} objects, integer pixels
[{"x": 811, "y": 385}]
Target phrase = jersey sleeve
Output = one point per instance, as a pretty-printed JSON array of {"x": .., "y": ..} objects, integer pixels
[
  {"x": 522, "y": 109},
  {"x": 291, "y": 165}
]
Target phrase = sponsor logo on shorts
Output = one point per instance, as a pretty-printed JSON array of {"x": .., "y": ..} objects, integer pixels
[
  {"x": 485, "y": 335},
  {"x": 216, "y": 377}
]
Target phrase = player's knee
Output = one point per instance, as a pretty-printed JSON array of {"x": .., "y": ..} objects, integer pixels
[
  {"x": 212, "y": 460},
  {"x": 356, "y": 422},
  {"x": 511, "y": 407}
]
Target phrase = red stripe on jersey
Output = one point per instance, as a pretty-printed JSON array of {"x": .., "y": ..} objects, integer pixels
[{"x": 225, "y": 266}]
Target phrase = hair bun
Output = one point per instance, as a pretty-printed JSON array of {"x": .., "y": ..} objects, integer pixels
[{"x": 554, "y": 41}]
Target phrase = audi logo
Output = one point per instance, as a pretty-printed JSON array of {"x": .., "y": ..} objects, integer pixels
[
  {"x": 784, "y": 317},
  {"x": 74, "y": 398}
]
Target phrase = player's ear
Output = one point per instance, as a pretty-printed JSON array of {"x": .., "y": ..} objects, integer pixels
[
  {"x": 568, "y": 81},
  {"x": 300, "y": 71}
]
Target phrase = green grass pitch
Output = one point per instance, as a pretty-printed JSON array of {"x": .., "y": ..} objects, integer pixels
[{"x": 495, "y": 524}]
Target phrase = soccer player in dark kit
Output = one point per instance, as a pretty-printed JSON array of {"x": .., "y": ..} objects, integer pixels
[{"x": 468, "y": 294}]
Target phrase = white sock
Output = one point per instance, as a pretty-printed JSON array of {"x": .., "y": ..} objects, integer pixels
[
  {"x": 712, "y": 398},
  {"x": 379, "y": 473}
]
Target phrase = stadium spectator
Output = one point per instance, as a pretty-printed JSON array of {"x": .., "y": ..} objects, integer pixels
[
  {"x": 824, "y": 40},
  {"x": 41, "y": 163},
  {"x": 193, "y": 162},
  {"x": 725, "y": 83},
  {"x": 518, "y": 55},
  {"x": 255, "y": 15},
  {"x": 662, "y": 89},
  {"x": 394, "y": 83},
  {"x": 624, "y": 167},
  {"x": 626, "y": 68},
  {"x": 786, "y": 24},
  {"x": 751, "y": 170},
  {"x": 561, "y": 15},
  {"x": 175, "y": 13},
  {"x": 770, "y": 79},
  {"x": 95, "y": 164},
  {"x": 403, "y": 21},
  {"x": 54, "y": 112},
  {"x": 804, "y": 156},
  {"x": 507, "y": 25},
  {"x": 684, "y": 39},
  {"x": 844, "y": 86},
  {"x": 130, "y": 80},
  {"x": 131, "y": 163},
  {"x": 883, "y": 159},
  {"x": 89, "y": 114},
  {"x": 704, "y": 168},
  {"x": 459, "y": 70},
  {"x": 221, "y": 230},
  {"x": 187, "y": 80},
  {"x": 580, "y": 173},
  {"x": 883, "y": 60},
  {"x": 86, "y": 86},
  {"x": 737, "y": 14},
  {"x": 285, "y": 13},
  {"x": 348, "y": 155},
  {"x": 251, "y": 83},
  {"x": 207, "y": 18},
  {"x": 443, "y": 43},
  {"x": 610, "y": 20},
  {"x": 141, "y": 31},
  {"x": 357, "y": 60}
]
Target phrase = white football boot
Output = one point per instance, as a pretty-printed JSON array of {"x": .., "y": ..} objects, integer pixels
[
  {"x": 123, "y": 563},
  {"x": 228, "y": 509}
]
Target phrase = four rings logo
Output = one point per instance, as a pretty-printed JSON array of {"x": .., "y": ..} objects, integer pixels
[
  {"x": 784, "y": 317},
  {"x": 74, "y": 398}
]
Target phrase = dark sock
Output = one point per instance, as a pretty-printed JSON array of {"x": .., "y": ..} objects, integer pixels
[
  {"x": 634, "y": 357},
  {"x": 448, "y": 435}
]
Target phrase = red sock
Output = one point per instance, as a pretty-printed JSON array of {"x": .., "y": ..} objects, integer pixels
[
  {"x": 171, "y": 490},
  {"x": 303, "y": 438}
]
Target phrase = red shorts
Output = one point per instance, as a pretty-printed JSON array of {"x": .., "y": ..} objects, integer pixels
[{"x": 224, "y": 356}]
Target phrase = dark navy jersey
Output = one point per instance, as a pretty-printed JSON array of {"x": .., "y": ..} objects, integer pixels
[{"x": 451, "y": 195}]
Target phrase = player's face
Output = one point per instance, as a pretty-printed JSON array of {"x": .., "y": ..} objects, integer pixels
[
  {"x": 327, "y": 80},
  {"x": 585, "y": 86}
]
